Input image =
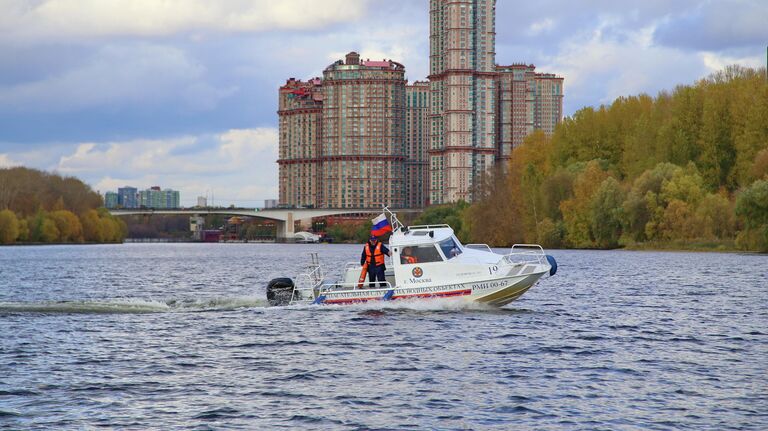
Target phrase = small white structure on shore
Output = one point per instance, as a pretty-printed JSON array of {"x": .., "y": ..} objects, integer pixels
[{"x": 306, "y": 237}]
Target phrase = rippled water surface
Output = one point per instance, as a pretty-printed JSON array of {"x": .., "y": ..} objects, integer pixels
[{"x": 177, "y": 336}]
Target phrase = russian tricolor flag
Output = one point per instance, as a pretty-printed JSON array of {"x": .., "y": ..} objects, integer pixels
[{"x": 380, "y": 225}]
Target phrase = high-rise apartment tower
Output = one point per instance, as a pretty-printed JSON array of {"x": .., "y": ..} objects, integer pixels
[
  {"x": 300, "y": 112},
  {"x": 417, "y": 109},
  {"x": 363, "y": 143},
  {"x": 463, "y": 96}
]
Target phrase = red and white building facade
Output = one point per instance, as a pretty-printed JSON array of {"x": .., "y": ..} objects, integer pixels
[{"x": 361, "y": 137}]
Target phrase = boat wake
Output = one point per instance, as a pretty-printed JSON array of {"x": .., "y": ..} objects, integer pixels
[
  {"x": 425, "y": 304},
  {"x": 134, "y": 305},
  {"x": 191, "y": 305}
]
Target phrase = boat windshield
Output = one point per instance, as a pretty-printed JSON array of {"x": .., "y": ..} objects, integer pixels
[
  {"x": 420, "y": 254},
  {"x": 450, "y": 248}
]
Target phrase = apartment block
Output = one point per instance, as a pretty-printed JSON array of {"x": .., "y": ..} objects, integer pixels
[
  {"x": 363, "y": 134},
  {"x": 127, "y": 197},
  {"x": 463, "y": 96},
  {"x": 528, "y": 101},
  {"x": 417, "y": 126},
  {"x": 154, "y": 197},
  {"x": 342, "y": 137},
  {"x": 362, "y": 137},
  {"x": 300, "y": 127},
  {"x": 548, "y": 100},
  {"x": 110, "y": 200}
]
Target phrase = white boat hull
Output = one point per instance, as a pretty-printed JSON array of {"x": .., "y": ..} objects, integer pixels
[
  {"x": 426, "y": 262},
  {"x": 496, "y": 292}
]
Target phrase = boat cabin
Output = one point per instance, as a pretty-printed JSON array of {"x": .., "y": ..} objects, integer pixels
[{"x": 419, "y": 254}]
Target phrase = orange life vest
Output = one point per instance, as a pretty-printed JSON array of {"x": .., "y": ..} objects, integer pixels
[
  {"x": 410, "y": 259},
  {"x": 378, "y": 256}
]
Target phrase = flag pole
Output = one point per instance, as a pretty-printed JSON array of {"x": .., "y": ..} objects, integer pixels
[{"x": 393, "y": 217}]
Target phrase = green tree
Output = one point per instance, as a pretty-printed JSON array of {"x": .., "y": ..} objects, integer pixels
[
  {"x": 69, "y": 226},
  {"x": 576, "y": 211},
  {"x": 718, "y": 154},
  {"x": 48, "y": 231},
  {"x": 606, "y": 213},
  {"x": 685, "y": 185},
  {"x": 554, "y": 190},
  {"x": 9, "y": 227},
  {"x": 23, "y": 230},
  {"x": 752, "y": 209},
  {"x": 675, "y": 223},
  {"x": 92, "y": 231},
  {"x": 715, "y": 217},
  {"x": 551, "y": 233},
  {"x": 759, "y": 168},
  {"x": 641, "y": 203}
]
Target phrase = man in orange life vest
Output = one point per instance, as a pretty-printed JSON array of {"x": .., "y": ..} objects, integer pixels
[{"x": 373, "y": 254}]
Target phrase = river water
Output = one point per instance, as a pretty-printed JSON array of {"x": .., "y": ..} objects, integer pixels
[{"x": 178, "y": 336}]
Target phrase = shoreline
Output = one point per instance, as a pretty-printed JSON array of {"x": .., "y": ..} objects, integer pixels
[{"x": 694, "y": 247}]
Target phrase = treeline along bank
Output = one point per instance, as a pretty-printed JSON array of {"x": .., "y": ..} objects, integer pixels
[
  {"x": 684, "y": 169},
  {"x": 38, "y": 207}
]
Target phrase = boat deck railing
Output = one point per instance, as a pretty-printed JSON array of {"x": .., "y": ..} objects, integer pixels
[
  {"x": 428, "y": 226},
  {"x": 331, "y": 287},
  {"x": 483, "y": 247},
  {"x": 526, "y": 253},
  {"x": 314, "y": 274}
]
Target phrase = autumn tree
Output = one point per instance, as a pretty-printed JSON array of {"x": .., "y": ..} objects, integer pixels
[
  {"x": 752, "y": 209},
  {"x": 9, "y": 227},
  {"x": 577, "y": 211},
  {"x": 606, "y": 213},
  {"x": 69, "y": 226}
]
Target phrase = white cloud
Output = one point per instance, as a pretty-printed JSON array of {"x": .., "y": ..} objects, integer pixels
[
  {"x": 7, "y": 162},
  {"x": 53, "y": 19},
  {"x": 716, "y": 62},
  {"x": 610, "y": 60},
  {"x": 239, "y": 165},
  {"x": 138, "y": 74},
  {"x": 541, "y": 26}
]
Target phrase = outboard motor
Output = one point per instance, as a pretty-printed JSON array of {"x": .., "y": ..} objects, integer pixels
[{"x": 280, "y": 291}]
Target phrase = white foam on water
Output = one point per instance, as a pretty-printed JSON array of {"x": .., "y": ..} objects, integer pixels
[
  {"x": 423, "y": 304},
  {"x": 107, "y": 306},
  {"x": 134, "y": 305}
]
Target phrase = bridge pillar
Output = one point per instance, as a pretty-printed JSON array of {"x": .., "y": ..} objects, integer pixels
[
  {"x": 196, "y": 226},
  {"x": 285, "y": 230}
]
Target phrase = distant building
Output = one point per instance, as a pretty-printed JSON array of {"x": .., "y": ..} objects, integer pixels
[
  {"x": 127, "y": 197},
  {"x": 342, "y": 138},
  {"x": 363, "y": 134},
  {"x": 417, "y": 144},
  {"x": 527, "y": 101},
  {"x": 202, "y": 202},
  {"x": 362, "y": 137},
  {"x": 300, "y": 114},
  {"x": 110, "y": 200},
  {"x": 548, "y": 100},
  {"x": 156, "y": 198},
  {"x": 270, "y": 203},
  {"x": 462, "y": 79}
]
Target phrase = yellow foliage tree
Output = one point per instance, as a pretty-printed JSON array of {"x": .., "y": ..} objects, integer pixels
[
  {"x": 9, "y": 227},
  {"x": 92, "y": 231},
  {"x": 577, "y": 210},
  {"x": 69, "y": 226},
  {"x": 48, "y": 231}
]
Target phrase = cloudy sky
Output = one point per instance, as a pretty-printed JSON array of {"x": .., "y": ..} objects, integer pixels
[{"x": 183, "y": 93}]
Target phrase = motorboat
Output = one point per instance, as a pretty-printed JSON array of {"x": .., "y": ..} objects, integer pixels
[{"x": 427, "y": 261}]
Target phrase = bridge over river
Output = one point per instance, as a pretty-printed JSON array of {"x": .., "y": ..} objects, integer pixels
[{"x": 284, "y": 217}]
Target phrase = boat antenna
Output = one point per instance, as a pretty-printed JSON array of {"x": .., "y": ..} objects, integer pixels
[{"x": 396, "y": 225}]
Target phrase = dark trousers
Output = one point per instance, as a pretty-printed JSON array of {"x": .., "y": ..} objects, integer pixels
[{"x": 376, "y": 273}]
